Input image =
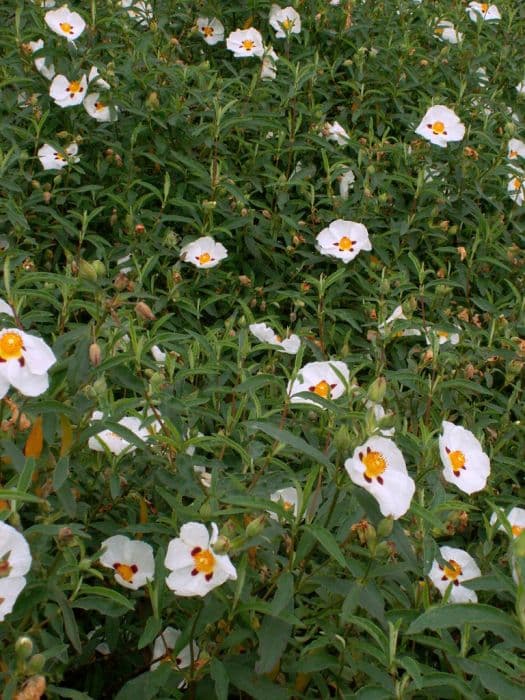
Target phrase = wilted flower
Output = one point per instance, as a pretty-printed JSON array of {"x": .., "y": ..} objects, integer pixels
[
  {"x": 268, "y": 69},
  {"x": 205, "y": 252},
  {"x": 320, "y": 378},
  {"x": 107, "y": 439},
  {"x": 131, "y": 560},
  {"x": 397, "y": 315},
  {"x": 68, "y": 93},
  {"x": 24, "y": 361},
  {"x": 53, "y": 159},
  {"x": 465, "y": 464},
  {"x": 288, "y": 498},
  {"x": 379, "y": 467},
  {"x": 459, "y": 567},
  {"x": 158, "y": 355},
  {"x": 285, "y": 21},
  {"x": 516, "y": 186},
  {"x": 441, "y": 125},
  {"x": 15, "y": 562},
  {"x": 139, "y": 10},
  {"x": 165, "y": 643},
  {"x": 335, "y": 132},
  {"x": 445, "y": 31},
  {"x": 483, "y": 11},
  {"x": 347, "y": 180},
  {"x": 195, "y": 568},
  {"x": 442, "y": 336},
  {"x": 211, "y": 30},
  {"x": 44, "y": 68},
  {"x": 65, "y": 23},
  {"x": 266, "y": 335},
  {"x": 245, "y": 42},
  {"x": 343, "y": 239}
]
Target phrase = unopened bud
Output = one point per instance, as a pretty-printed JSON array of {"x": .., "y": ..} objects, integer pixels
[
  {"x": 121, "y": 282},
  {"x": 342, "y": 440},
  {"x": 99, "y": 268},
  {"x": 139, "y": 229},
  {"x": 376, "y": 390},
  {"x": 244, "y": 280},
  {"x": 255, "y": 527},
  {"x": 23, "y": 647},
  {"x": 46, "y": 196},
  {"x": 35, "y": 665},
  {"x": 86, "y": 271},
  {"x": 222, "y": 545},
  {"x": 65, "y": 535},
  {"x": 95, "y": 354},
  {"x": 384, "y": 527},
  {"x": 144, "y": 311},
  {"x": 152, "y": 100}
]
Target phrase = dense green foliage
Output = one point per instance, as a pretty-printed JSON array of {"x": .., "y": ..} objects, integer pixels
[{"x": 335, "y": 602}]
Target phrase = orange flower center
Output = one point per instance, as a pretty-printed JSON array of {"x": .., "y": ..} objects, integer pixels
[
  {"x": 99, "y": 106},
  {"x": 322, "y": 389},
  {"x": 66, "y": 27},
  {"x": 375, "y": 465},
  {"x": 207, "y": 31},
  {"x": 60, "y": 156},
  {"x": 452, "y": 570},
  {"x": 442, "y": 334},
  {"x": 513, "y": 154},
  {"x": 248, "y": 44},
  {"x": 204, "y": 258},
  {"x": 438, "y": 127},
  {"x": 457, "y": 459},
  {"x": 345, "y": 243},
  {"x": 127, "y": 571},
  {"x": 11, "y": 346},
  {"x": 439, "y": 31},
  {"x": 74, "y": 87},
  {"x": 287, "y": 505},
  {"x": 204, "y": 561},
  {"x": 517, "y": 183},
  {"x": 517, "y": 530},
  {"x": 484, "y": 7},
  {"x": 287, "y": 24}
]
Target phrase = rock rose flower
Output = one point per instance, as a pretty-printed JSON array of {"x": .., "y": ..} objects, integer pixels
[
  {"x": 165, "y": 643},
  {"x": 321, "y": 379},
  {"x": 211, "y": 30},
  {"x": 131, "y": 560},
  {"x": 379, "y": 467},
  {"x": 195, "y": 567},
  {"x": 107, "y": 439},
  {"x": 440, "y": 125},
  {"x": 483, "y": 11},
  {"x": 288, "y": 498},
  {"x": 43, "y": 67},
  {"x": 245, "y": 42},
  {"x": 68, "y": 93},
  {"x": 285, "y": 21},
  {"x": 15, "y": 562},
  {"x": 205, "y": 252},
  {"x": 343, "y": 239},
  {"x": 265, "y": 334},
  {"x": 459, "y": 567},
  {"x": 464, "y": 462},
  {"x": 65, "y": 23},
  {"x": 24, "y": 362},
  {"x": 53, "y": 159}
]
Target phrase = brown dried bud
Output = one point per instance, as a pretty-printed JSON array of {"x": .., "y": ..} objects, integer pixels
[
  {"x": 244, "y": 211},
  {"x": 65, "y": 535},
  {"x": 140, "y": 228},
  {"x": 423, "y": 62},
  {"x": 441, "y": 273},
  {"x": 121, "y": 282},
  {"x": 461, "y": 252},
  {"x": 267, "y": 214},
  {"x": 95, "y": 354},
  {"x": 33, "y": 689},
  {"x": 46, "y": 196},
  {"x": 144, "y": 311},
  {"x": 245, "y": 281},
  {"x": 470, "y": 153}
]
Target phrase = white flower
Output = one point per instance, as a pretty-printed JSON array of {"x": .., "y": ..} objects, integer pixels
[
  {"x": 97, "y": 107},
  {"x": 265, "y": 334},
  {"x": 285, "y": 21},
  {"x": 442, "y": 336},
  {"x": 15, "y": 562},
  {"x": 343, "y": 239},
  {"x": 245, "y": 42},
  {"x": 10, "y": 589},
  {"x": 94, "y": 77},
  {"x": 268, "y": 69},
  {"x": 288, "y": 498},
  {"x": 335, "y": 132},
  {"x": 205, "y": 252},
  {"x": 24, "y": 361},
  {"x": 211, "y": 30},
  {"x": 195, "y": 568},
  {"x": 396, "y": 315},
  {"x": 379, "y": 467},
  {"x": 116, "y": 444},
  {"x": 320, "y": 378},
  {"x": 53, "y": 159},
  {"x": 516, "y": 520},
  {"x": 139, "y": 10},
  {"x": 465, "y": 464},
  {"x": 165, "y": 643},
  {"x": 520, "y": 88},
  {"x": 516, "y": 186},
  {"x": 445, "y": 31},
  {"x": 459, "y": 567},
  {"x": 44, "y": 68},
  {"x": 5, "y": 308},
  {"x": 441, "y": 125},
  {"x": 515, "y": 149},
  {"x": 483, "y": 77},
  {"x": 347, "y": 180},
  {"x": 204, "y": 475},
  {"x": 158, "y": 355},
  {"x": 483, "y": 11},
  {"x": 65, "y": 23},
  {"x": 68, "y": 93},
  {"x": 131, "y": 560}
]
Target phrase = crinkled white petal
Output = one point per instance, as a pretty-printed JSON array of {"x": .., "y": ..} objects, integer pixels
[
  {"x": 456, "y": 439},
  {"x": 314, "y": 373},
  {"x": 14, "y": 546},
  {"x": 204, "y": 252},
  {"x": 10, "y": 589}
]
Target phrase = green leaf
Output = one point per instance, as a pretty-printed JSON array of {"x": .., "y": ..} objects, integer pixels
[
  {"x": 329, "y": 543},
  {"x": 70, "y": 624},
  {"x": 15, "y": 495},
  {"x": 101, "y": 605},
  {"x": 483, "y": 617},
  {"x": 220, "y": 678},
  {"x": 151, "y": 630},
  {"x": 288, "y": 438},
  {"x": 61, "y": 473},
  {"x": 110, "y": 594}
]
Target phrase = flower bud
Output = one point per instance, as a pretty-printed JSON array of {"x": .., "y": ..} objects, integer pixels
[
  {"x": 23, "y": 648},
  {"x": 86, "y": 271},
  {"x": 99, "y": 268},
  {"x": 35, "y": 665},
  {"x": 144, "y": 311},
  {"x": 255, "y": 527},
  {"x": 95, "y": 354},
  {"x": 385, "y": 527},
  {"x": 342, "y": 440},
  {"x": 152, "y": 100},
  {"x": 65, "y": 535},
  {"x": 376, "y": 390},
  {"x": 222, "y": 545}
]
